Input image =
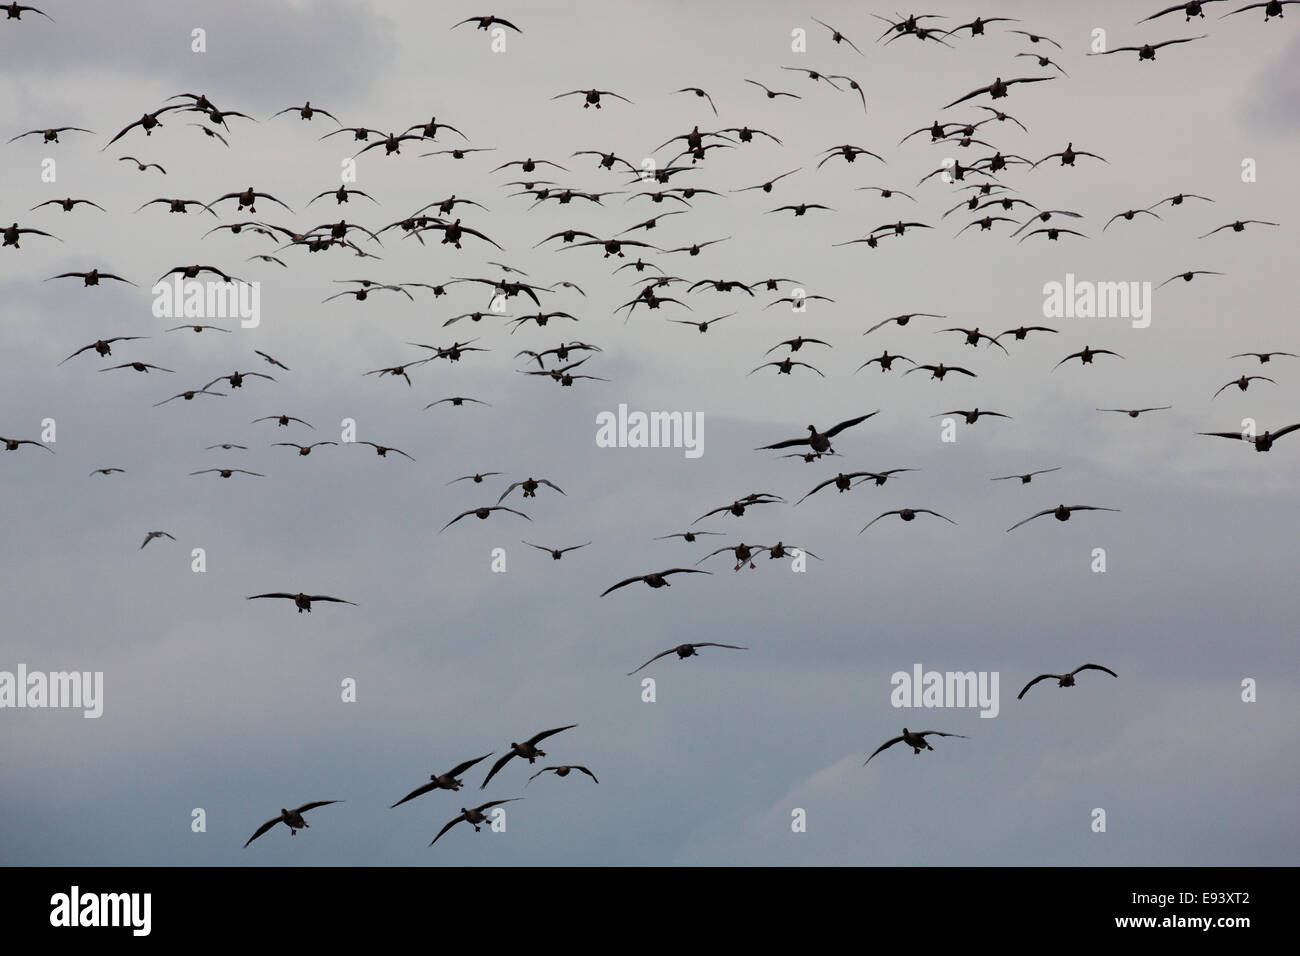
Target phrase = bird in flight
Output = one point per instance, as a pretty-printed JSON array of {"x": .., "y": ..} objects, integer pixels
[
  {"x": 914, "y": 739},
  {"x": 528, "y": 750},
  {"x": 291, "y": 818},
  {"x": 1065, "y": 680},
  {"x": 1060, "y": 512},
  {"x": 684, "y": 651}
]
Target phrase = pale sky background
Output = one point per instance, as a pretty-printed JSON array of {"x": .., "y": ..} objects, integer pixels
[{"x": 234, "y": 706}]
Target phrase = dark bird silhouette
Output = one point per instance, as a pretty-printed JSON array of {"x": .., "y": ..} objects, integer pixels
[
  {"x": 293, "y": 819},
  {"x": 684, "y": 651},
  {"x": 1065, "y": 680},
  {"x": 915, "y": 740},
  {"x": 528, "y": 750},
  {"x": 655, "y": 579},
  {"x": 1060, "y": 512}
]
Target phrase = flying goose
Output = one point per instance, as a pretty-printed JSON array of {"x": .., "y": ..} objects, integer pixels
[
  {"x": 90, "y": 278},
  {"x": 1028, "y": 476},
  {"x": 767, "y": 186},
  {"x": 473, "y": 815},
  {"x": 974, "y": 335},
  {"x": 562, "y": 772},
  {"x": 476, "y": 478},
  {"x": 556, "y": 553},
  {"x": 151, "y": 535},
  {"x": 1065, "y": 680},
  {"x": 484, "y": 23},
  {"x": 148, "y": 122},
  {"x": 1189, "y": 275},
  {"x": 1178, "y": 199},
  {"x": 820, "y": 442},
  {"x": 290, "y": 818},
  {"x": 885, "y": 359},
  {"x": 303, "y": 450},
  {"x": 1068, "y": 156},
  {"x": 482, "y": 513},
  {"x": 907, "y": 514},
  {"x": 902, "y": 321},
  {"x": 181, "y": 206},
  {"x": 940, "y": 370},
  {"x": 838, "y": 37},
  {"x": 738, "y": 506},
  {"x": 1127, "y": 215},
  {"x": 67, "y": 205},
  {"x": 105, "y": 471},
  {"x": 699, "y": 93},
  {"x": 1034, "y": 38},
  {"x": 458, "y": 400},
  {"x": 306, "y": 111},
  {"x": 246, "y": 198},
  {"x": 383, "y": 450},
  {"x": 998, "y": 88},
  {"x": 15, "y": 11},
  {"x": 227, "y": 446},
  {"x": 1135, "y": 412},
  {"x": 442, "y": 781},
  {"x": 142, "y": 167},
  {"x": 301, "y": 601},
  {"x": 1060, "y": 512},
  {"x": 210, "y": 133},
  {"x": 1023, "y": 331},
  {"x": 15, "y": 232},
  {"x": 1085, "y": 356},
  {"x": 104, "y": 346},
  {"x": 1263, "y": 357},
  {"x": 1261, "y": 442},
  {"x": 1272, "y": 8},
  {"x": 188, "y": 395},
  {"x": 654, "y": 579},
  {"x": 592, "y": 97},
  {"x": 1240, "y": 224},
  {"x": 887, "y": 193},
  {"x": 684, "y": 651},
  {"x": 236, "y": 378},
  {"x": 138, "y": 366},
  {"x": 972, "y": 416},
  {"x": 1046, "y": 215},
  {"x": 782, "y": 550},
  {"x": 742, "y": 552},
  {"x": 1053, "y": 234},
  {"x": 786, "y": 365},
  {"x": 976, "y": 26},
  {"x": 1045, "y": 61},
  {"x": 227, "y": 472},
  {"x": 282, "y": 420},
  {"x": 269, "y": 360},
  {"x": 529, "y": 487},
  {"x": 528, "y": 750},
  {"x": 880, "y": 477},
  {"x": 704, "y": 324},
  {"x": 687, "y": 536},
  {"x": 1193, "y": 8},
  {"x": 842, "y": 482},
  {"x": 914, "y": 740},
  {"x": 773, "y": 94},
  {"x": 1147, "y": 51},
  {"x": 399, "y": 370}
]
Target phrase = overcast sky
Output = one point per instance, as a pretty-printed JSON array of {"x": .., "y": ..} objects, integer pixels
[{"x": 234, "y": 706}]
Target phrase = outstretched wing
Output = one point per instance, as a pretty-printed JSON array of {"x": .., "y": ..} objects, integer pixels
[
  {"x": 1035, "y": 681},
  {"x": 885, "y": 746}
]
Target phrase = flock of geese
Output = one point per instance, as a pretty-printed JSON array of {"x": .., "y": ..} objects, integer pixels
[{"x": 998, "y": 209}]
